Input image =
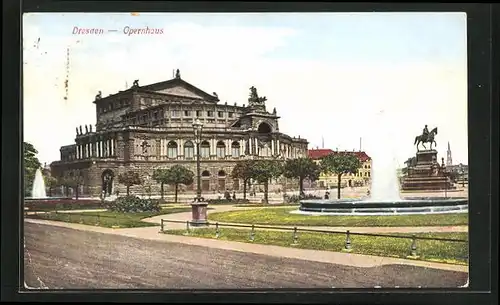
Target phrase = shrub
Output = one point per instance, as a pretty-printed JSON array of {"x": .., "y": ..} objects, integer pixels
[
  {"x": 228, "y": 201},
  {"x": 296, "y": 198},
  {"x": 61, "y": 204},
  {"x": 133, "y": 204}
]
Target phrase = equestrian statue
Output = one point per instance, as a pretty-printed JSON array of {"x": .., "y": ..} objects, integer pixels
[{"x": 426, "y": 137}]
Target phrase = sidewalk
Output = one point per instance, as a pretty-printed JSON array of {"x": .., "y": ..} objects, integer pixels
[{"x": 349, "y": 259}]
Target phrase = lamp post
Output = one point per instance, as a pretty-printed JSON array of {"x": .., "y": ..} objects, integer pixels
[
  {"x": 197, "y": 128},
  {"x": 446, "y": 175},
  {"x": 462, "y": 171},
  {"x": 198, "y": 206}
]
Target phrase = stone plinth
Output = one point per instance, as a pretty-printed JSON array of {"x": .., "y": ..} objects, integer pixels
[
  {"x": 199, "y": 213},
  {"x": 426, "y": 174}
]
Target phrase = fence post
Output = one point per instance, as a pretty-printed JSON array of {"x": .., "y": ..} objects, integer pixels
[
  {"x": 295, "y": 237},
  {"x": 217, "y": 232},
  {"x": 187, "y": 228},
  {"x": 347, "y": 246},
  {"x": 413, "y": 249},
  {"x": 252, "y": 233},
  {"x": 161, "y": 225}
]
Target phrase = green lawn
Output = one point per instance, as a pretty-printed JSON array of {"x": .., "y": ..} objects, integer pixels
[
  {"x": 282, "y": 216},
  {"x": 109, "y": 219},
  {"x": 437, "y": 251}
]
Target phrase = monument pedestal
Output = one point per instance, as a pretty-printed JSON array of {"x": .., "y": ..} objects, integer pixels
[
  {"x": 199, "y": 213},
  {"x": 426, "y": 174}
]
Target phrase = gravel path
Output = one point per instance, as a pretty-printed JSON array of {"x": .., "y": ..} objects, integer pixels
[{"x": 57, "y": 257}]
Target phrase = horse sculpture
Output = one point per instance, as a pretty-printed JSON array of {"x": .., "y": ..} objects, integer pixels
[{"x": 426, "y": 139}]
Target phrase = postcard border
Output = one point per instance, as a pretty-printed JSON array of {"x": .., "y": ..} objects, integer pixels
[{"x": 481, "y": 159}]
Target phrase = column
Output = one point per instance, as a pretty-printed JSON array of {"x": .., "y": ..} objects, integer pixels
[
  {"x": 242, "y": 147},
  {"x": 99, "y": 148},
  {"x": 104, "y": 149},
  {"x": 77, "y": 154},
  {"x": 278, "y": 148},
  {"x": 114, "y": 146},
  {"x": 229, "y": 142},
  {"x": 272, "y": 147},
  {"x": 212, "y": 146},
  {"x": 256, "y": 146},
  {"x": 181, "y": 147},
  {"x": 111, "y": 147},
  {"x": 178, "y": 141}
]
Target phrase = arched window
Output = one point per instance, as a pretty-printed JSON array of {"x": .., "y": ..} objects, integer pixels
[
  {"x": 221, "y": 149},
  {"x": 205, "y": 174},
  {"x": 204, "y": 149},
  {"x": 172, "y": 149},
  {"x": 188, "y": 149},
  {"x": 235, "y": 149}
]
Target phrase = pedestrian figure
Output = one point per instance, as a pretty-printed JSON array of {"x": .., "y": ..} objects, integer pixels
[{"x": 234, "y": 195}]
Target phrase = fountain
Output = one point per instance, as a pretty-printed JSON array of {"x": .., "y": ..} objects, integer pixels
[
  {"x": 39, "y": 194},
  {"x": 38, "y": 190},
  {"x": 384, "y": 198}
]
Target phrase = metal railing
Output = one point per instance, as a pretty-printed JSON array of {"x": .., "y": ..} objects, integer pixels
[
  {"x": 80, "y": 217},
  {"x": 295, "y": 230}
]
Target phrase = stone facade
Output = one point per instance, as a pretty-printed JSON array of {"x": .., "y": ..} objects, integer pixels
[{"x": 149, "y": 127}]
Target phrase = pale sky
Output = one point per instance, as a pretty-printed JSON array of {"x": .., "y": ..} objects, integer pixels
[{"x": 329, "y": 75}]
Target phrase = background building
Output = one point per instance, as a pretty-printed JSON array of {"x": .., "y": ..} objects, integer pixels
[
  {"x": 361, "y": 178},
  {"x": 148, "y": 127}
]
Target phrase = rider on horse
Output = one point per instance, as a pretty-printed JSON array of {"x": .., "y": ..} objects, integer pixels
[{"x": 425, "y": 133}]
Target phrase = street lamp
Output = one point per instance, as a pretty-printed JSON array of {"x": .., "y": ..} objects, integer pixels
[
  {"x": 198, "y": 206},
  {"x": 197, "y": 128},
  {"x": 462, "y": 171}
]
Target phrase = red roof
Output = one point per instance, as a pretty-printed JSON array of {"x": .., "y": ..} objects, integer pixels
[{"x": 320, "y": 153}]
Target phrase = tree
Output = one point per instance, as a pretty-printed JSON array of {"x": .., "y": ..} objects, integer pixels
[
  {"x": 243, "y": 170},
  {"x": 178, "y": 174},
  {"x": 50, "y": 183},
  {"x": 339, "y": 164},
  {"x": 31, "y": 164},
  {"x": 265, "y": 170},
  {"x": 301, "y": 168},
  {"x": 73, "y": 179},
  {"x": 129, "y": 179},
  {"x": 160, "y": 175}
]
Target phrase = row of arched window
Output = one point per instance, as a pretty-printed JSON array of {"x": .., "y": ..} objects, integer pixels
[{"x": 189, "y": 151}]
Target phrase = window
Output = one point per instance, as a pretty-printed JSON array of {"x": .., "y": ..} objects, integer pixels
[
  {"x": 187, "y": 113},
  {"x": 144, "y": 118},
  {"x": 172, "y": 149},
  {"x": 235, "y": 149},
  {"x": 198, "y": 113},
  {"x": 175, "y": 113},
  {"x": 220, "y": 114},
  {"x": 221, "y": 149},
  {"x": 230, "y": 114},
  {"x": 155, "y": 116},
  {"x": 204, "y": 149},
  {"x": 188, "y": 149},
  {"x": 210, "y": 113}
]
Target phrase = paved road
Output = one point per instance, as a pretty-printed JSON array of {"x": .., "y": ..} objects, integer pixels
[{"x": 57, "y": 257}]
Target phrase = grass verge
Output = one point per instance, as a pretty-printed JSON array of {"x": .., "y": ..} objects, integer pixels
[
  {"x": 427, "y": 250},
  {"x": 108, "y": 219},
  {"x": 282, "y": 216}
]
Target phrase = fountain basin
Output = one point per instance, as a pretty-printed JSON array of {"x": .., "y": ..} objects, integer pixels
[{"x": 408, "y": 206}]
